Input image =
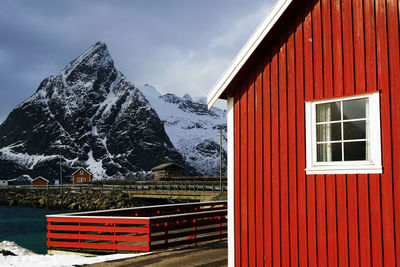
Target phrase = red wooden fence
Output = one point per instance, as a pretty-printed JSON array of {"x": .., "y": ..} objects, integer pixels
[{"x": 138, "y": 229}]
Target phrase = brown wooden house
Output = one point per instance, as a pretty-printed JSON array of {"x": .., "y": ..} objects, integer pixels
[
  {"x": 167, "y": 170},
  {"x": 81, "y": 176},
  {"x": 40, "y": 182}
]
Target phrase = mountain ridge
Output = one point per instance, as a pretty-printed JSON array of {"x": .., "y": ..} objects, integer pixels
[{"x": 101, "y": 121}]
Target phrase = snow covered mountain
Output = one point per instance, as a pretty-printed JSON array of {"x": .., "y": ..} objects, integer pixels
[
  {"x": 192, "y": 128},
  {"x": 97, "y": 117}
]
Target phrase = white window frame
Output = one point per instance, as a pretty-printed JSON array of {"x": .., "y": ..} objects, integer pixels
[
  {"x": 374, "y": 165},
  {"x": 81, "y": 179},
  {"x": 81, "y": 172}
]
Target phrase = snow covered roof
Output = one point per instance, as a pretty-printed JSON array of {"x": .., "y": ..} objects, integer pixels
[
  {"x": 81, "y": 168},
  {"x": 40, "y": 177},
  {"x": 244, "y": 54},
  {"x": 166, "y": 165}
]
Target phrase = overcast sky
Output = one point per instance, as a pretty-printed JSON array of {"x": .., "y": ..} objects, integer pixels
[{"x": 178, "y": 46}]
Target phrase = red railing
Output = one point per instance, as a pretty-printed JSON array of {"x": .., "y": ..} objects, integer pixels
[{"x": 138, "y": 229}]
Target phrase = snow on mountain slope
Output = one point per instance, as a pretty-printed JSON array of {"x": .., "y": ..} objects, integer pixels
[
  {"x": 100, "y": 120},
  {"x": 191, "y": 127}
]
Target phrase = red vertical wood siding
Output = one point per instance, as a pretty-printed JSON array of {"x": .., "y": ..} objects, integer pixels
[{"x": 283, "y": 217}]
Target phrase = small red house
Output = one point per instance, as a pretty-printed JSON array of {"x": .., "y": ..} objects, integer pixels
[
  {"x": 81, "y": 176},
  {"x": 314, "y": 136},
  {"x": 40, "y": 182}
]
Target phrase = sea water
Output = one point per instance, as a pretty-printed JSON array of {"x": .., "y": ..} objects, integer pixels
[{"x": 25, "y": 226}]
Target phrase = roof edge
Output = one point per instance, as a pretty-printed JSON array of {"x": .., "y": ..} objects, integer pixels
[
  {"x": 81, "y": 168},
  {"x": 40, "y": 177},
  {"x": 247, "y": 50}
]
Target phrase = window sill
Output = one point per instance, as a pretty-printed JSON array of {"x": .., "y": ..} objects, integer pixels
[{"x": 344, "y": 170}]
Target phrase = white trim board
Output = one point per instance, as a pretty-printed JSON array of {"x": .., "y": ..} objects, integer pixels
[
  {"x": 231, "y": 184},
  {"x": 244, "y": 54}
]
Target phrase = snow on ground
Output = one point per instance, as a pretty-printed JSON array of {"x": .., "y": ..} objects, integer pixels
[
  {"x": 59, "y": 260},
  {"x": 28, "y": 258}
]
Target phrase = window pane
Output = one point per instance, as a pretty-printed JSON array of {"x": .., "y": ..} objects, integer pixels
[
  {"x": 329, "y": 152},
  {"x": 355, "y": 109},
  {"x": 329, "y": 132},
  {"x": 356, "y": 151},
  {"x": 328, "y": 112},
  {"x": 354, "y": 130}
]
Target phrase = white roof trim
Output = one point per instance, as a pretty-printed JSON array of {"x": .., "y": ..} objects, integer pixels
[
  {"x": 40, "y": 177},
  {"x": 81, "y": 168},
  {"x": 262, "y": 30}
]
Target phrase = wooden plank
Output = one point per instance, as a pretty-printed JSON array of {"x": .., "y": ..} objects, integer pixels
[
  {"x": 337, "y": 49},
  {"x": 393, "y": 21},
  {"x": 283, "y": 156},
  {"x": 267, "y": 152},
  {"x": 276, "y": 246},
  {"x": 97, "y": 246},
  {"x": 292, "y": 163},
  {"x": 370, "y": 48},
  {"x": 310, "y": 179},
  {"x": 237, "y": 178},
  {"x": 329, "y": 92},
  {"x": 188, "y": 233},
  {"x": 331, "y": 220},
  {"x": 188, "y": 216},
  {"x": 127, "y": 238},
  {"x": 319, "y": 93},
  {"x": 359, "y": 45},
  {"x": 321, "y": 220},
  {"x": 375, "y": 219},
  {"x": 104, "y": 229},
  {"x": 352, "y": 217},
  {"x": 348, "y": 56},
  {"x": 360, "y": 87},
  {"x": 327, "y": 48},
  {"x": 341, "y": 198},
  {"x": 301, "y": 164},
  {"x": 364, "y": 227},
  {"x": 168, "y": 227},
  {"x": 259, "y": 167},
  {"x": 349, "y": 88},
  {"x": 387, "y": 176},
  {"x": 251, "y": 171},
  {"x": 373, "y": 180},
  {"x": 108, "y": 220},
  {"x": 243, "y": 178},
  {"x": 185, "y": 242}
]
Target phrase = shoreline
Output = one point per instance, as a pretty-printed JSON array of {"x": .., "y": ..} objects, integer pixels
[{"x": 73, "y": 200}]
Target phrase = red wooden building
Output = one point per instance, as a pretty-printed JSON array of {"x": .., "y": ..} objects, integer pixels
[
  {"x": 81, "y": 176},
  {"x": 314, "y": 136},
  {"x": 40, "y": 182}
]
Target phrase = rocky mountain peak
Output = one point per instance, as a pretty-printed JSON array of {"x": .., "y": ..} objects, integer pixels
[
  {"x": 95, "y": 64},
  {"x": 102, "y": 121}
]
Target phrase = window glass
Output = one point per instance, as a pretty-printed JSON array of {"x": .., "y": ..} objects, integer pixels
[
  {"x": 355, "y": 109},
  {"x": 355, "y": 151},
  {"x": 329, "y": 152},
  {"x": 329, "y": 132},
  {"x": 354, "y": 130},
  {"x": 350, "y": 123},
  {"x": 328, "y": 112}
]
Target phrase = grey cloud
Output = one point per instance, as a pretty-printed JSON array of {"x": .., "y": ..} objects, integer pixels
[{"x": 178, "y": 46}]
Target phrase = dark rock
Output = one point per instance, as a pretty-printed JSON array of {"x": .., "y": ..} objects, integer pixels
[{"x": 7, "y": 253}]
